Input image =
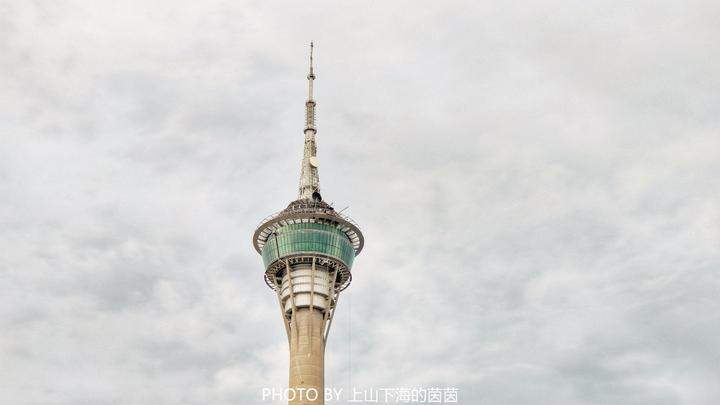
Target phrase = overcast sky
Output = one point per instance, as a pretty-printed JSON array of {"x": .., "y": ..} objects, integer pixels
[{"x": 537, "y": 184}]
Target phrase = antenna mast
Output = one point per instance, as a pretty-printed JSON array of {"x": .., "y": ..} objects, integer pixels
[{"x": 309, "y": 177}]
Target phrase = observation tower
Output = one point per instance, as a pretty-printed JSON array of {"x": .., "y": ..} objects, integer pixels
[{"x": 308, "y": 251}]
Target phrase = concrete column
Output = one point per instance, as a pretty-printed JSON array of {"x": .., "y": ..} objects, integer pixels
[{"x": 307, "y": 357}]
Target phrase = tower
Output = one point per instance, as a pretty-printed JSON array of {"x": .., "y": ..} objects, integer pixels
[{"x": 308, "y": 251}]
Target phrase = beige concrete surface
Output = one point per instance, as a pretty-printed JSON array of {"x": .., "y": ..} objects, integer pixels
[{"x": 307, "y": 356}]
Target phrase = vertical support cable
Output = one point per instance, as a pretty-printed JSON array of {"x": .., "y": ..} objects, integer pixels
[
  {"x": 332, "y": 315},
  {"x": 329, "y": 305}
]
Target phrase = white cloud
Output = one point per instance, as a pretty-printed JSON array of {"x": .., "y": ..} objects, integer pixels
[{"x": 536, "y": 183}]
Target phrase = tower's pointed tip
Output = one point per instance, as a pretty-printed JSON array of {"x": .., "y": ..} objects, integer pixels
[{"x": 311, "y": 75}]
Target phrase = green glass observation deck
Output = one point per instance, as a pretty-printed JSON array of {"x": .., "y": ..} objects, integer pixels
[{"x": 315, "y": 239}]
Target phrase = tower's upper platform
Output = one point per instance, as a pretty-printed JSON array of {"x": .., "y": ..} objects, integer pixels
[
  {"x": 305, "y": 230},
  {"x": 308, "y": 211},
  {"x": 309, "y": 230}
]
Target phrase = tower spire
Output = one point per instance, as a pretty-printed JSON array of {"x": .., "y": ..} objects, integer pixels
[{"x": 309, "y": 178}]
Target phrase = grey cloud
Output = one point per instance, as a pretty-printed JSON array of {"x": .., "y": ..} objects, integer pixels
[{"x": 536, "y": 183}]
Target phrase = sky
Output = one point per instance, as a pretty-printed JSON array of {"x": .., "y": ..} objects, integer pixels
[{"x": 537, "y": 183}]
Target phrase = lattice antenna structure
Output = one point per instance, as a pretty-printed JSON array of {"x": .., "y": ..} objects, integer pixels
[{"x": 309, "y": 187}]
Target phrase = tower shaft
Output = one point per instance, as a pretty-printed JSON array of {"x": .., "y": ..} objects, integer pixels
[
  {"x": 306, "y": 298},
  {"x": 307, "y": 357}
]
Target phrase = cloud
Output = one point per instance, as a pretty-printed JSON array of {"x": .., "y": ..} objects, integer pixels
[{"x": 535, "y": 182}]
